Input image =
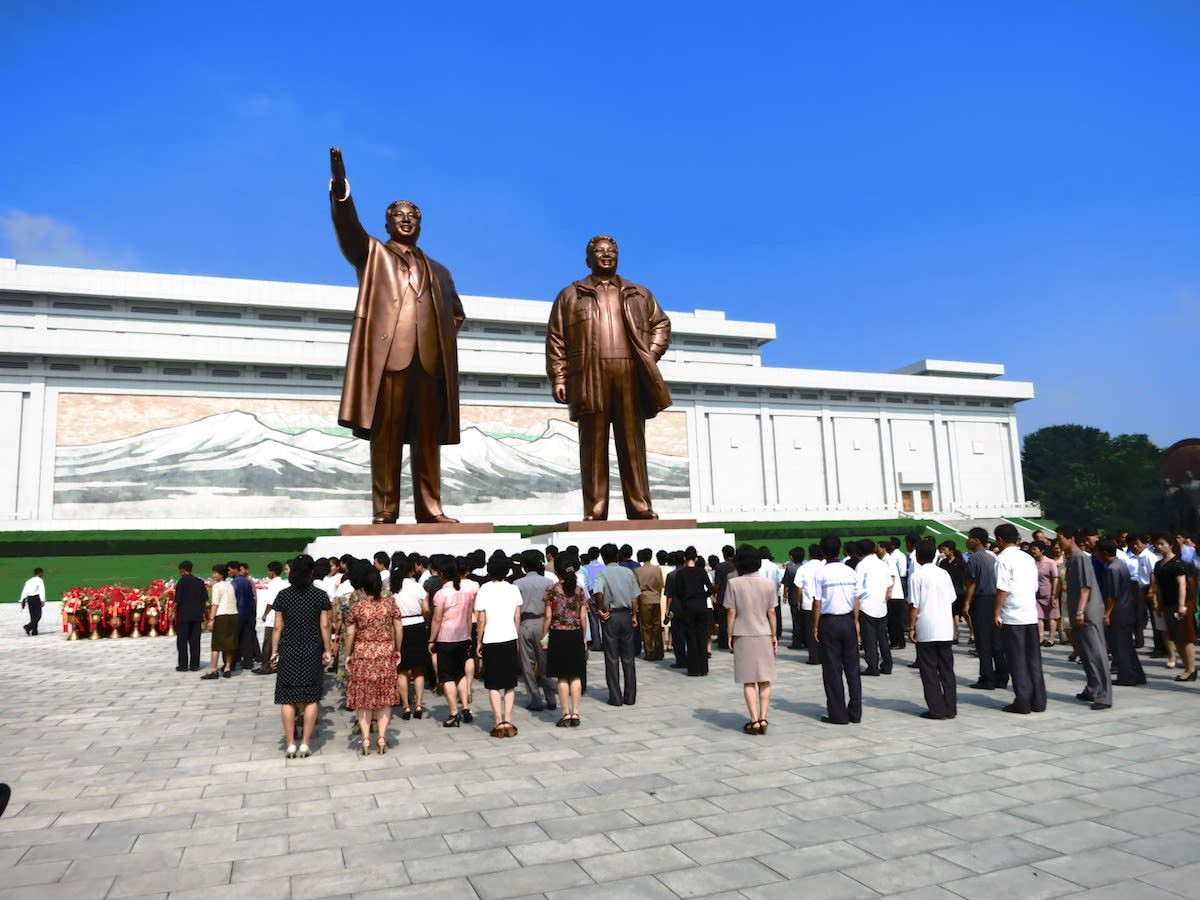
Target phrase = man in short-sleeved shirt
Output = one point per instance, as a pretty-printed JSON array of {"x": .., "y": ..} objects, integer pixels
[
  {"x": 1085, "y": 605},
  {"x": 617, "y": 591},
  {"x": 980, "y": 605},
  {"x": 931, "y": 626},
  {"x": 1016, "y": 615},
  {"x": 835, "y": 627}
]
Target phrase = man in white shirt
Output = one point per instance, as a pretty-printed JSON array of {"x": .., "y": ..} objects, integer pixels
[
  {"x": 265, "y": 613},
  {"x": 383, "y": 565},
  {"x": 835, "y": 627},
  {"x": 1147, "y": 559},
  {"x": 768, "y": 569},
  {"x": 876, "y": 576},
  {"x": 33, "y": 596},
  {"x": 931, "y": 627},
  {"x": 805, "y": 578},
  {"x": 1016, "y": 615}
]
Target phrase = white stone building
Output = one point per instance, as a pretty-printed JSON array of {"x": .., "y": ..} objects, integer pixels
[{"x": 132, "y": 399}]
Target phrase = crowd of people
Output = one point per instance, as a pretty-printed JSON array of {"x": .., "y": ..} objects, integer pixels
[{"x": 396, "y": 624}]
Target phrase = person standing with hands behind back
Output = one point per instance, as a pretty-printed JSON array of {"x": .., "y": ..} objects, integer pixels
[{"x": 190, "y": 597}]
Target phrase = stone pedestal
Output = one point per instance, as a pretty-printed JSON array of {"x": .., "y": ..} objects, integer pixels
[
  {"x": 458, "y": 539},
  {"x": 657, "y": 534}
]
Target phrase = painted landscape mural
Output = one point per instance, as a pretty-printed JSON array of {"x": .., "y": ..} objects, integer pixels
[{"x": 231, "y": 458}]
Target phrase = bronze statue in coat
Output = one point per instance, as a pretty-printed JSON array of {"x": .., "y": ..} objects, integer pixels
[
  {"x": 603, "y": 343},
  {"x": 401, "y": 384}
]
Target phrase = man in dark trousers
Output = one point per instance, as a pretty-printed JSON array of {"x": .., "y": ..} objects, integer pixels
[
  {"x": 190, "y": 598},
  {"x": 33, "y": 597},
  {"x": 247, "y": 604},
  {"x": 835, "y": 627},
  {"x": 791, "y": 593},
  {"x": 980, "y": 605},
  {"x": 1016, "y": 619},
  {"x": 721, "y": 575},
  {"x": 1120, "y": 614}
]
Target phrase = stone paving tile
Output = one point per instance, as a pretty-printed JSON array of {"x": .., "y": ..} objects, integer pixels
[
  {"x": 666, "y": 798},
  {"x": 1024, "y": 882},
  {"x": 825, "y": 885},
  {"x": 1129, "y": 890},
  {"x": 644, "y": 887},
  {"x": 734, "y": 875},
  {"x": 1096, "y": 868},
  {"x": 535, "y": 879}
]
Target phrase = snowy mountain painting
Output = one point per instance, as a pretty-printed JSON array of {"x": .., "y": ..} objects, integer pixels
[{"x": 268, "y": 464}]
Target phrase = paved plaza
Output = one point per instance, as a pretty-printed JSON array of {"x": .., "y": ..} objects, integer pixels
[{"x": 132, "y": 780}]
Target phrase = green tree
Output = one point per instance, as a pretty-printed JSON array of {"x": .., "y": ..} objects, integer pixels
[{"x": 1085, "y": 476}]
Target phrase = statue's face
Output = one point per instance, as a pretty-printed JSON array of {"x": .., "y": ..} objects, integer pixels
[
  {"x": 602, "y": 259},
  {"x": 404, "y": 223}
]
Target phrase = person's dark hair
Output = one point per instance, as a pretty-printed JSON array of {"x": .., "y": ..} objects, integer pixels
[
  {"x": 551, "y": 550},
  {"x": 866, "y": 547},
  {"x": 37, "y": 571},
  {"x": 532, "y": 561},
  {"x": 382, "y": 558},
  {"x": 728, "y": 551},
  {"x": 401, "y": 569},
  {"x": 568, "y": 568},
  {"x": 232, "y": 564},
  {"x": 713, "y": 561},
  {"x": 979, "y": 533},
  {"x": 1171, "y": 540},
  {"x": 275, "y": 567},
  {"x": 814, "y": 551},
  {"x": 746, "y": 560},
  {"x": 690, "y": 554},
  {"x": 765, "y": 552},
  {"x": 1007, "y": 532},
  {"x": 358, "y": 573},
  {"x": 372, "y": 582},
  {"x": 645, "y": 555},
  {"x": 497, "y": 568},
  {"x": 1107, "y": 546},
  {"x": 663, "y": 558},
  {"x": 185, "y": 566},
  {"x": 1070, "y": 532},
  {"x": 925, "y": 551},
  {"x": 797, "y": 555},
  {"x": 321, "y": 568},
  {"x": 626, "y": 551},
  {"x": 451, "y": 572},
  {"x": 831, "y": 546},
  {"x": 913, "y": 537},
  {"x": 300, "y": 571},
  {"x": 1088, "y": 530},
  {"x": 222, "y": 568},
  {"x": 609, "y": 554},
  {"x": 346, "y": 560}
]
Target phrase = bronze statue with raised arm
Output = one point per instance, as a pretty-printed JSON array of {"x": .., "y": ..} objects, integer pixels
[
  {"x": 603, "y": 343},
  {"x": 401, "y": 384}
]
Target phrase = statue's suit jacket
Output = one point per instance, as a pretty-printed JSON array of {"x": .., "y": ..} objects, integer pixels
[
  {"x": 381, "y": 283},
  {"x": 572, "y": 346}
]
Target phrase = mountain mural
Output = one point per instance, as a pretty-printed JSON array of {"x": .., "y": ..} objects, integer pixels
[{"x": 236, "y": 464}]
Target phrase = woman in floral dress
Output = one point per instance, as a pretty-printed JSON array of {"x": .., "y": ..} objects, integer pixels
[{"x": 373, "y": 638}]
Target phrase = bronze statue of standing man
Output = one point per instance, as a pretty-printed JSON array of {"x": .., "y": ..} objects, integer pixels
[
  {"x": 401, "y": 384},
  {"x": 603, "y": 343}
]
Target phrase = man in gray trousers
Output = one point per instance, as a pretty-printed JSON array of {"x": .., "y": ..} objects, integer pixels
[
  {"x": 533, "y": 586},
  {"x": 1085, "y": 606}
]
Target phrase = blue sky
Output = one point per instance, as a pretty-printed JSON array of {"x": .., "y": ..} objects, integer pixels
[{"x": 1004, "y": 182}]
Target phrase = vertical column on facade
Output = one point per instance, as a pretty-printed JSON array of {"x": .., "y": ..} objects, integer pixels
[
  {"x": 1018, "y": 478},
  {"x": 833, "y": 493},
  {"x": 952, "y": 455},
  {"x": 699, "y": 465},
  {"x": 887, "y": 451},
  {"x": 704, "y": 487},
  {"x": 48, "y": 435},
  {"x": 942, "y": 489},
  {"x": 770, "y": 462}
]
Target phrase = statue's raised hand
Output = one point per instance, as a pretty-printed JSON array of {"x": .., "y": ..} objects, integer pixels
[{"x": 337, "y": 169}]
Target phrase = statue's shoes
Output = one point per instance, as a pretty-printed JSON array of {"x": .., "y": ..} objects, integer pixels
[
  {"x": 383, "y": 520},
  {"x": 441, "y": 520}
]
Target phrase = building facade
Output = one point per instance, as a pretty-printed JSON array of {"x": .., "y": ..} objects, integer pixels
[{"x": 132, "y": 399}]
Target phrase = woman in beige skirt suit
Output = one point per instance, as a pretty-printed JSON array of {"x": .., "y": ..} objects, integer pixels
[{"x": 750, "y": 609}]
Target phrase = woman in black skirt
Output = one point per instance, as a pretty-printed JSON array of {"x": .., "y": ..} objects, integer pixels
[
  {"x": 566, "y": 658},
  {"x": 413, "y": 603},
  {"x": 300, "y": 651},
  {"x": 498, "y": 611}
]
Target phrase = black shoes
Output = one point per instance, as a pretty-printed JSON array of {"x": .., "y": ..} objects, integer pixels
[
  {"x": 1101, "y": 706},
  {"x": 928, "y": 715},
  {"x": 1084, "y": 696},
  {"x": 829, "y": 721},
  {"x": 1013, "y": 708},
  {"x": 980, "y": 686},
  {"x": 181, "y": 668},
  {"x": 467, "y": 716}
]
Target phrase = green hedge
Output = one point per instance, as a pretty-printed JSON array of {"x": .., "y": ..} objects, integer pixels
[{"x": 141, "y": 543}]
